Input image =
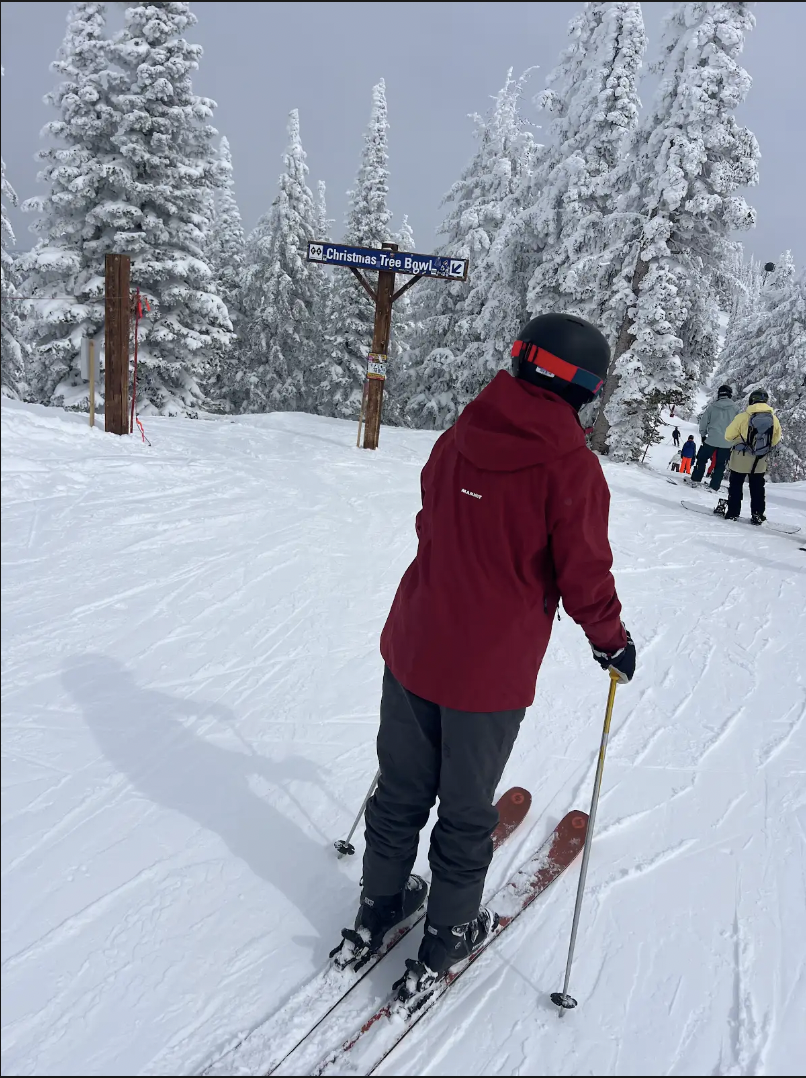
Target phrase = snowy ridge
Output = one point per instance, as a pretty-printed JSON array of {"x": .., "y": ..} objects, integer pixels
[{"x": 190, "y": 685}]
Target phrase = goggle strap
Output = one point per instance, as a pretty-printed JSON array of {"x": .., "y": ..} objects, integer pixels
[{"x": 532, "y": 353}]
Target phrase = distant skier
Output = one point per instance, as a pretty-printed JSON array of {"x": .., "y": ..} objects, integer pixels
[
  {"x": 688, "y": 453},
  {"x": 514, "y": 518},
  {"x": 753, "y": 433},
  {"x": 676, "y": 436},
  {"x": 674, "y": 463},
  {"x": 713, "y": 423}
]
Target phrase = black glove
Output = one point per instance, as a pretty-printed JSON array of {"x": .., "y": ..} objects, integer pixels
[{"x": 621, "y": 661}]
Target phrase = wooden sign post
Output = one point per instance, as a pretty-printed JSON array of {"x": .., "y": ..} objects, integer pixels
[
  {"x": 91, "y": 372},
  {"x": 376, "y": 363},
  {"x": 388, "y": 261},
  {"x": 116, "y": 347}
]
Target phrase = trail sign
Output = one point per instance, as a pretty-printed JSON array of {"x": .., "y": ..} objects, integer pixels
[
  {"x": 386, "y": 261},
  {"x": 369, "y": 258},
  {"x": 376, "y": 365}
]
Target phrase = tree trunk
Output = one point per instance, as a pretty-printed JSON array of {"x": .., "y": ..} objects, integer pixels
[{"x": 624, "y": 341}]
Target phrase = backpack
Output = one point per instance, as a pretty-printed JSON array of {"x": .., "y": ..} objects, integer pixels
[{"x": 759, "y": 434}]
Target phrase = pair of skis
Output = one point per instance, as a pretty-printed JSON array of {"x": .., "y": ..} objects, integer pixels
[
  {"x": 365, "y": 1049},
  {"x": 296, "y": 1041}
]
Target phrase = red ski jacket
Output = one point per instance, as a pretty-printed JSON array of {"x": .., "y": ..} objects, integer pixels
[{"x": 514, "y": 518}]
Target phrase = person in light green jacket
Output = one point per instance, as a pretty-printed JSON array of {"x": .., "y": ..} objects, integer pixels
[
  {"x": 713, "y": 423},
  {"x": 753, "y": 434}
]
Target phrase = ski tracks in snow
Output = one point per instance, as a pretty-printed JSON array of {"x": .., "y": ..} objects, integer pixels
[
  {"x": 190, "y": 690},
  {"x": 670, "y": 967}
]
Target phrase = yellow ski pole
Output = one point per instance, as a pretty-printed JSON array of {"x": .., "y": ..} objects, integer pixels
[{"x": 562, "y": 999}]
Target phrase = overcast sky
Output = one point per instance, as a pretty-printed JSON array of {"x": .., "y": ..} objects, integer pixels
[{"x": 441, "y": 61}]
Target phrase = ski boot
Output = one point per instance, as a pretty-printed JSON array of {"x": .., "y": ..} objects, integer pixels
[
  {"x": 376, "y": 916},
  {"x": 442, "y": 947},
  {"x": 757, "y": 519}
]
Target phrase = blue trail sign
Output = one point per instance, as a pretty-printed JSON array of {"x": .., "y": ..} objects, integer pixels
[
  {"x": 386, "y": 261},
  {"x": 369, "y": 258}
]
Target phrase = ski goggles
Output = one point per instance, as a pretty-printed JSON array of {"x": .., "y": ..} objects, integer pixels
[{"x": 554, "y": 367}]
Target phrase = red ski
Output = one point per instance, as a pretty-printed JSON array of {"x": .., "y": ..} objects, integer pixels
[
  {"x": 266, "y": 1047},
  {"x": 383, "y": 1031}
]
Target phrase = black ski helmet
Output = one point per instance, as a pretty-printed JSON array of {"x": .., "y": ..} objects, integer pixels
[
  {"x": 564, "y": 354},
  {"x": 759, "y": 396},
  {"x": 724, "y": 391}
]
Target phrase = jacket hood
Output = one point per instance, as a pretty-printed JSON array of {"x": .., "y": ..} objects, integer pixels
[
  {"x": 513, "y": 425},
  {"x": 753, "y": 408}
]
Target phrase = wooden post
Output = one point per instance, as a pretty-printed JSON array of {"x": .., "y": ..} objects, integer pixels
[
  {"x": 361, "y": 414},
  {"x": 91, "y": 353},
  {"x": 383, "y": 296},
  {"x": 380, "y": 346},
  {"x": 116, "y": 347}
]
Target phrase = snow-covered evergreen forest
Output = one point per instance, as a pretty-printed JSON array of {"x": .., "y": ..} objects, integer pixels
[{"x": 579, "y": 197}]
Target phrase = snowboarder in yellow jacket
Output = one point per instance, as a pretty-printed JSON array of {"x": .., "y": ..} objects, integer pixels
[{"x": 753, "y": 433}]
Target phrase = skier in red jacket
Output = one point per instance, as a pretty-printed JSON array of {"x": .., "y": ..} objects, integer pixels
[{"x": 513, "y": 520}]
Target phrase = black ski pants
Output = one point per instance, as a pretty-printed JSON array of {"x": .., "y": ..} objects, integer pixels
[
  {"x": 704, "y": 454},
  {"x": 755, "y": 481},
  {"x": 426, "y": 752}
]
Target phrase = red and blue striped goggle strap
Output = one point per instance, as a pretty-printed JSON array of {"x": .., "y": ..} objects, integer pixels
[{"x": 533, "y": 353}]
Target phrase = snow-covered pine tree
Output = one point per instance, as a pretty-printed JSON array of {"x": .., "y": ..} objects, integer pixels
[
  {"x": 225, "y": 251},
  {"x": 281, "y": 293},
  {"x": 742, "y": 291},
  {"x": 318, "y": 365},
  {"x": 13, "y": 355},
  {"x": 64, "y": 273},
  {"x": 324, "y": 224},
  {"x": 349, "y": 331},
  {"x": 452, "y": 356},
  {"x": 167, "y": 171},
  {"x": 682, "y": 170},
  {"x": 740, "y": 363},
  {"x": 324, "y": 229},
  {"x": 324, "y": 277},
  {"x": 592, "y": 96},
  {"x": 745, "y": 285},
  {"x": 765, "y": 348},
  {"x": 498, "y": 288},
  {"x": 527, "y": 238},
  {"x": 730, "y": 280},
  {"x": 226, "y": 241},
  {"x": 788, "y": 377}
]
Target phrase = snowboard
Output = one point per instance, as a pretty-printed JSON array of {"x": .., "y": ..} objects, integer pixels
[
  {"x": 768, "y": 525},
  {"x": 685, "y": 482}
]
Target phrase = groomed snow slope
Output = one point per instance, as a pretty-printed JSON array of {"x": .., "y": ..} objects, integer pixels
[{"x": 190, "y": 681}]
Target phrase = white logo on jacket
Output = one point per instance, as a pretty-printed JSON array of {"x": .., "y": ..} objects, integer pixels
[{"x": 472, "y": 493}]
